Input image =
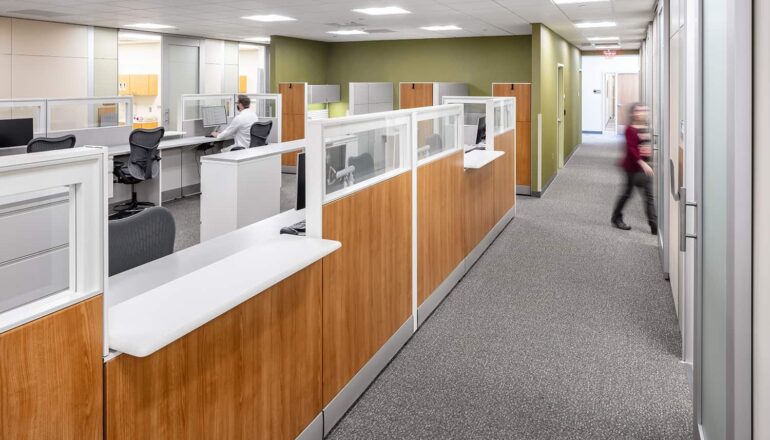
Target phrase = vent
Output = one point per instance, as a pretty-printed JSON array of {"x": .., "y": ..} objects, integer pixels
[
  {"x": 380, "y": 31},
  {"x": 348, "y": 24},
  {"x": 38, "y": 12}
]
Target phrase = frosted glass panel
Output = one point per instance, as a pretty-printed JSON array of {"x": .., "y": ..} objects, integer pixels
[{"x": 184, "y": 70}]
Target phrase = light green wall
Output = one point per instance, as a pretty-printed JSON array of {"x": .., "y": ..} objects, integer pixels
[
  {"x": 549, "y": 50},
  {"x": 297, "y": 60},
  {"x": 476, "y": 61}
]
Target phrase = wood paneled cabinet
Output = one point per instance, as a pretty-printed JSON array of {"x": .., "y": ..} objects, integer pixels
[
  {"x": 293, "y": 106},
  {"x": 138, "y": 85},
  {"x": 51, "y": 376},
  {"x": 413, "y": 95},
  {"x": 523, "y": 94}
]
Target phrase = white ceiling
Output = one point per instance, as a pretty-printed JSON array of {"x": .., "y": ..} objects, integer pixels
[{"x": 222, "y": 18}]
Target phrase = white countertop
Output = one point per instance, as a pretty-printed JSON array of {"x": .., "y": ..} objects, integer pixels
[
  {"x": 150, "y": 321},
  {"x": 255, "y": 153},
  {"x": 480, "y": 158},
  {"x": 166, "y": 144}
]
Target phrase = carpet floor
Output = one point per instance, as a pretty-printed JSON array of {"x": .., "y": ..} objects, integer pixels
[{"x": 564, "y": 329}]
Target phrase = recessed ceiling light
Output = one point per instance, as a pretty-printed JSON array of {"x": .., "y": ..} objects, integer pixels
[
  {"x": 449, "y": 27},
  {"x": 595, "y": 24},
  {"x": 387, "y": 10},
  {"x": 269, "y": 18},
  {"x": 569, "y": 2},
  {"x": 607, "y": 46},
  {"x": 153, "y": 26},
  {"x": 603, "y": 38},
  {"x": 258, "y": 39},
  {"x": 348, "y": 32},
  {"x": 137, "y": 36}
]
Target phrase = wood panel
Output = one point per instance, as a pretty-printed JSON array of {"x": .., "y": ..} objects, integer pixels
[
  {"x": 504, "y": 180},
  {"x": 292, "y": 116},
  {"x": 439, "y": 222},
  {"x": 252, "y": 373},
  {"x": 478, "y": 205},
  {"x": 367, "y": 291},
  {"x": 523, "y": 94},
  {"x": 412, "y": 95},
  {"x": 51, "y": 376}
]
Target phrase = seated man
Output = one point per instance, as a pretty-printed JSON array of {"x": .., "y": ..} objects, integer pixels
[{"x": 240, "y": 127}]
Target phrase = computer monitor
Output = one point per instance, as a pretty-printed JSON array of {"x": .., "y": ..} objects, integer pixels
[
  {"x": 300, "y": 181},
  {"x": 481, "y": 130},
  {"x": 214, "y": 115},
  {"x": 15, "y": 132}
]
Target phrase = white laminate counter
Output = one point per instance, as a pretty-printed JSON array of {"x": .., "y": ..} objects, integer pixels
[
  {"x": 166, "y": 144},
  {"x": 249, "y": 154},
  {"x": 157, "y": 303},
  {"x": 480, "y": 158}
]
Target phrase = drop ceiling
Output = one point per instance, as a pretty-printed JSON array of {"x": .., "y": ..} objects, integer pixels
[{"x": 315, "y": 18}]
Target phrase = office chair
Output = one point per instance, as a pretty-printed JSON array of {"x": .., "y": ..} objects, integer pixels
[
  {"x": 143, "y": 164},
  {"x": 47, "y": 144},
  {"x": 140, "y": 238},
  {"x": 364, "y": 165},
  {"x": 259, "y": 133}
]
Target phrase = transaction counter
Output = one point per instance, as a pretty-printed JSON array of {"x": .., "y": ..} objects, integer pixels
[{"x": 257, "y": 335}]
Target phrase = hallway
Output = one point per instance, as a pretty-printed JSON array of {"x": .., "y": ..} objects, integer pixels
[{"x": 575, "y": 337}]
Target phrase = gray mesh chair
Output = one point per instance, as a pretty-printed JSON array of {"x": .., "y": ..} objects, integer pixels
[
  {"x": 259, "y": 133},
  {"x": 47, "y": 144},
  {"x": 364, "y": 166},
  {"x": 143, "y": 164},
  {"x": 140, "y": 238}
]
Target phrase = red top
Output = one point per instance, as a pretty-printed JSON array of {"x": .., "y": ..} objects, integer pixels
[{"x": 630, "y": 163}]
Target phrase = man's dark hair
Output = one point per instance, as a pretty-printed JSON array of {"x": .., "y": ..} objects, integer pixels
[{"x": 244, "y": 101}]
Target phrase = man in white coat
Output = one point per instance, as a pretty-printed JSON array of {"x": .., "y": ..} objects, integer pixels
[{"x": 240, "y": 127}]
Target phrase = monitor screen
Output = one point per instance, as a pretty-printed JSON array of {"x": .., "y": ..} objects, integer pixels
[
  {"x": 300, "y": 181},
  {"x": 15, "y": 132},
  {"x": 214, "y": 115},
  {"x": 481, "y": 131}
]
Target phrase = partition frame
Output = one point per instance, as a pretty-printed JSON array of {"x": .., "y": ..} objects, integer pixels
[
  {"x": 491, "y": 102},
  {"x": 42, "y": 113}
]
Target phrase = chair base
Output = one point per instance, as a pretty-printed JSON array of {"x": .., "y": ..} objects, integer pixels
[{"x": 127, "y": 209}]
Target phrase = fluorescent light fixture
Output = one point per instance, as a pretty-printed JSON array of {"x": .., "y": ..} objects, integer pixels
[
  {"x": 449, "y": 27},
  {"x": 137, "y": 36},
  {"x": 152, "y": 26},
  {"x": 264, "y": 40},
  {"x": 595, "y": 24},
  {"x": 603, "y": 38},
  {"x": 269, "y": 18},
  {"x": 387, "y": 10},
  {"x": 348, "y": 32},
  {"x": 570, "y": 2},
  {"x": 607, "y": 46}
]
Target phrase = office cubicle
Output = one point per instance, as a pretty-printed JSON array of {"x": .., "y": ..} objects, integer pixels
[
  {"x": 499, "y": 116},
  {"x": 26, "y": 108},
  {"x": 266, "y": 106}
]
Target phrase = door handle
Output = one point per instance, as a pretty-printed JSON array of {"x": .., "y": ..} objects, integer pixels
[{"x": 680, "y": 196}]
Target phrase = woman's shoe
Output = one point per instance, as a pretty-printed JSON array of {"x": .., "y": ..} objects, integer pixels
[
  {"x": 653, "y": 228},
  {"x": 620, "y": 224}
]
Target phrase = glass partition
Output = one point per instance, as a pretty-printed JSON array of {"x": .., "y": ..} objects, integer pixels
[
  {"x": 267, "y": 107},
  {"x": 26, "y": 108},
  {"x": 439, "y": 129},
  {"x": 505, "y": 115},
  {"x": 85, "y": 113},
  {"x": 361, "y": 149},
  {"x": 192, "y": 104}
]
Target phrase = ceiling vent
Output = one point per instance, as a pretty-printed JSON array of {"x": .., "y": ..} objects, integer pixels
[
  {"x": 38, "y": 13},
  {"x": 380, "y": 31}
]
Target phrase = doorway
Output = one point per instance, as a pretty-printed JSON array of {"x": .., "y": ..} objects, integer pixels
[
  {"x": 627, "y": 93},
  {"x": 181, "y": 61},
  {"x": 560, "y": 113},
  {"x": 608, "y": 104}
]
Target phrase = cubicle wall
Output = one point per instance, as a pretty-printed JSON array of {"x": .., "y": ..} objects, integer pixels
[
  {"x": 523, "y": 94},
  {"x": 51, "y": 345},
  {"x": 371, "y": 97},
  {"x": 266, "y": 106},
  {"x": 417, "y": 94},
  {"x": 293, "y": 116}
]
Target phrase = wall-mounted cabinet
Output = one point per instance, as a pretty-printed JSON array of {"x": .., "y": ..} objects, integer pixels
[
  {"x": 322, "y": 94},
  {"x": 138, "y": 85}
]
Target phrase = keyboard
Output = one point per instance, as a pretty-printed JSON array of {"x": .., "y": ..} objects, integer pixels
[{"x": 295, "y": 229}]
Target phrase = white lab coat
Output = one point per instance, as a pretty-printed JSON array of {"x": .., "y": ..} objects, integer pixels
[{"x": 240, "y": 129}]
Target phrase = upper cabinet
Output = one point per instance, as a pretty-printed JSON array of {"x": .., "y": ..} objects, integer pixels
[
  {"x": 138, "y": 85},
  {"x": 322, "y": 94}
]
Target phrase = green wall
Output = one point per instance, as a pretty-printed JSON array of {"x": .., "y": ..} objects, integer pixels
[
  {"x": 476, "y": 61},
  {"x": 548, "y": 51},
  {"x": 297, "y": 60}
]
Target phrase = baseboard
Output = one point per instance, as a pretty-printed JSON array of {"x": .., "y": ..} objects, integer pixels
[
  {"x": 524, "y": 190},
  {"x": 545, "y": 187},
  {"x": 177, "y": 193},
  {"x": 350, "y": 393},
  {"x": 432, "y": 302},
  {"x": 592, "y": 132},
  {"x": 315, "y": 430},
  {"x": 288, "y": 169}
]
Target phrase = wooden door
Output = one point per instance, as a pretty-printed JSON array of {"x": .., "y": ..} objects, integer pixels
[
  {"x": 628, "y": 93},
  {"x": 412, "y": 95},
  {"x": 523, "y": 94},
  {"x": 292, "y": 116}
]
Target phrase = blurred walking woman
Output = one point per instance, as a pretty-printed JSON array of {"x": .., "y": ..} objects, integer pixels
[{"x": 638, "y": 172}]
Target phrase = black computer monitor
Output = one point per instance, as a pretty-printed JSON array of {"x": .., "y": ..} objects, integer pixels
[
  {"x": 481, "y": 130},
  {"x": 214, "y": 115},
  {"x": 15, "y": 132},
  {"x": 300, "y": 181}
]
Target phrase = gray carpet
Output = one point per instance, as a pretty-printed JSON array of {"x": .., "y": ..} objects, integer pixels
[
  {"x": 187, "y": 212},
  {"x": 564, "y": 329}
]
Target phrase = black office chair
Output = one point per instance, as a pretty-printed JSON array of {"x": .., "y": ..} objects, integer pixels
[
  {"x": 259, "y": 133},
  {"x": 140, "y": 238},
  {"x": 364, "y": 165},
  {"x": 47, "y": 144},
  {"x": 143, "y": 164}
]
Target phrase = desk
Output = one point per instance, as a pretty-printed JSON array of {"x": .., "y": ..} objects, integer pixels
[
  {"x": 241, "y": 187},
  {"x": 480, "y": 158}
]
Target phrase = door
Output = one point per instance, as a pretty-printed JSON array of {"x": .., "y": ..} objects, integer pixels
[
  {"x": 560, "y": 114},
  {"x": 608, "y": 107},
  {"x": 413, "y": 95},
  {"x": 181, "y": 75},
  {"x": 523, "y": 93},
  {"x": 627, "y": 94},
  {"x": 660, "y": 136},
  {"x": 675, "y": 170}
]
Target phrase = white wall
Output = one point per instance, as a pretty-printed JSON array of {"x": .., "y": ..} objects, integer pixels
[
  {"x": 220, "y": 71},
  {"x": 140, "y": 59},
  {"x": 594, "y": 68}
]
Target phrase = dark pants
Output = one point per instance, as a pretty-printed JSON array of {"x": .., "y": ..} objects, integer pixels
[{"x": 644, "y": 183}]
